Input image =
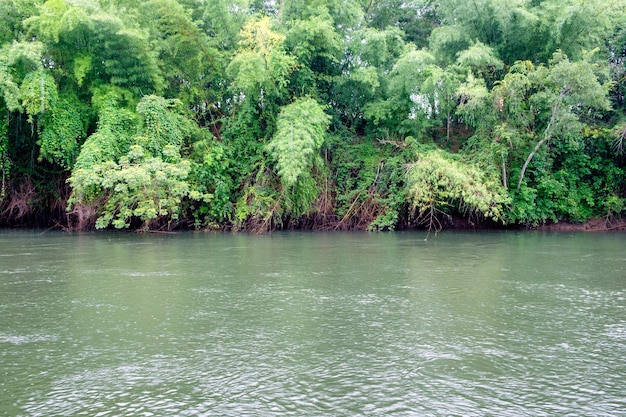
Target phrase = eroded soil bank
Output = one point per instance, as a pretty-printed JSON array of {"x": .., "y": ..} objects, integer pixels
[{"x": 594, "y": 225}]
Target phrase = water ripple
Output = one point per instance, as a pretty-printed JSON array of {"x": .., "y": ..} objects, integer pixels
[{"x": 344, "y": 326}]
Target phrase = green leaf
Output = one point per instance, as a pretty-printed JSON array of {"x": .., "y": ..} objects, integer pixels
[{"x": 300, "y": 131}]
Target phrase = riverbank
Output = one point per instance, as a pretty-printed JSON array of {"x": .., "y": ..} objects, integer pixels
[{"x": 593, "y": 225}]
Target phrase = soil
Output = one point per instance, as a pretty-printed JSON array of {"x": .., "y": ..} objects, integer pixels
[{"x": 594, "y": 225}]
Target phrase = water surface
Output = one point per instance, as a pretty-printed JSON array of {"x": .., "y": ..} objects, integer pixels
[{"x": 302, "y": 324}]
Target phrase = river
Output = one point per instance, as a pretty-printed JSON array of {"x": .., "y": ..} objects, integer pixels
[{"x": 312, "y": 324}]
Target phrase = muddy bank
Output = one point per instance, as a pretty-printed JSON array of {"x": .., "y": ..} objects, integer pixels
[{"x": 593, "y": 225}]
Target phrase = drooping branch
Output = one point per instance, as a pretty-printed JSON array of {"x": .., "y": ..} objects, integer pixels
[{"x": 620, "y": 138}]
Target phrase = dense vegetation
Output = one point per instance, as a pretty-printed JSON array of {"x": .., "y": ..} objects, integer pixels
[{"x": 324, "y": 114}]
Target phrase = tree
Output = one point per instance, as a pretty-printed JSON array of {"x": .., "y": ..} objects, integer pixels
[
  {"x": 190, "y": 61},
  {"x": 300, "y": 132},
  {"x": 371, "y": 57},
  {"x": 482, "y": 61},
  {"x": 317, "y": 48},
  {"x": 147, "y": 179},
  {"x": 534, "y": 111},
  {"x": 221, "y": 110},
  {"x": 271, "y": 197},
  {"x": 62, "y": 131},
  {"x": 416, "y": 18},
  {"x": 261, "y": 67},
  {"x": 572, "y": 90},
  {"x": 501, "y": 117}
]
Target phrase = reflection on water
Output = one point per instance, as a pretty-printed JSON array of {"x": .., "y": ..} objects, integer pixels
[{"x": 506, "y": 324}]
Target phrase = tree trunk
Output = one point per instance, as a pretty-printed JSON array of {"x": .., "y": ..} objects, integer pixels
[
  {"x": 504, "y": 181},
  {"x": 546, "y": 136},
  {"x": 530, "y": 157},
  {"x": 280, "y": 11}
]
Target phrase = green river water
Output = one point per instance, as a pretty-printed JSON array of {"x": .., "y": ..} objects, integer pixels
[{"x": 312, "y": 324}]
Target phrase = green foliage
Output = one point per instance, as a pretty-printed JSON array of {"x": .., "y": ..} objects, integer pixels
[
  {"x": 408, "y": 72},
  {"x": 572, "y": 91},
  {"x": 370, "y": 183},
  {"x": 432, "y": 92},
  {"x": 446, "y": 41},
  {"x": 299, "y": 200},
  {"x": 378, "y": 48},
  {"x": 48, "y": 22},
  {"x": 583, "y": 182},
  {"x": 163, "y": 126},
  {"x": 116, "y": 127},
  {"x": 389, "y": 194},
  {"x": 188, "y": 58},
  {"x": 259, "y": 209},
  {"x": 123, "y": 56},
  {"x": 221, "y": 20},
  {"x": 264, "y": 114},
  {"x": 12, "y": 13},
  {"x": 345, "y": 14},
  {"x": 481, "y": 60},
  {"x": 96, "y": 46},
  {"x": 563, "y": 97},
  {"x": 101, "y": 151},
  {"x": 139, "y": 186},
  {"x": 249, "y": 71},
  {"x": 416, "y": 18},
  {"x": 419, "y": 96},
  {"x": 261, "y": 67},
  {"x": 39, "y": 93},
  {"x": 62, "y": 130},
  {"x": 141, "y": 177},
  {"x": 18, "y": 60},
  {"x": 500, "y": 117},
  {"x": 578, "y": 83},
  {"x": 438, "y": 183},
  {"x": 300, "y": 131},
  {"x": 576, "y": 26},
  {"x": 56, "y": 18},
  {"x": 209, "y": 176},
  {"x": 82, "y": 66},
  {"x": 315, "y": 43}
]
